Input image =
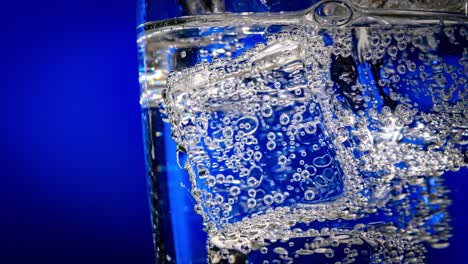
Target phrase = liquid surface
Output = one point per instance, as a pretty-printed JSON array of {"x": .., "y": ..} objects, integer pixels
[{"x": 309, "y": 143}]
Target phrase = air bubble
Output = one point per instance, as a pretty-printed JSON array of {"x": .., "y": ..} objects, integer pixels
[
  {"x": 278, "y": 198},
  {"x": 234, "y": 191},
  {"x": 251, "y": 181},
  {"x": 271, "y": 136},
  {"x": 282, "y": 159},
  {"x": 251, "y": 203},
  {"x": 310, "y": 128},
  {"x": 417, "y": 41},
  {"x": 392, "y": 51},
  {"x": 322, "y": 161},
  {"x": 211, "y": 181},
  {"x": 401, "y": 69},
  {"x": 309, "y": 195},
  {"x": 271, "y": 145},
  {"x": 296, "y": 177},
  {"x": 220, "y": 178},
  {"x": 284, "y": 119},
  {"x": 268, "y": 199},
  {"x": 266, "y": 110}
]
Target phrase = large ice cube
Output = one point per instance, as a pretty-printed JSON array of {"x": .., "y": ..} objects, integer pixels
[{"x": 254, "y": 132}]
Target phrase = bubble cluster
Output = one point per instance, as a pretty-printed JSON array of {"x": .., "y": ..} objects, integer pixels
[{"x": 300, "y": 131}]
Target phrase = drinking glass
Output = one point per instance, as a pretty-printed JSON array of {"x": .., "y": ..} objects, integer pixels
[{"x": 304, "y": 131}]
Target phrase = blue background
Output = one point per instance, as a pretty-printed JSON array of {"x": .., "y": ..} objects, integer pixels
[{"x": 73, "y": 186}]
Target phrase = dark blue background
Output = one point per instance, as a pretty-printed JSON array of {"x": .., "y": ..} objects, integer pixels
[{"x": 73, "y": 186}]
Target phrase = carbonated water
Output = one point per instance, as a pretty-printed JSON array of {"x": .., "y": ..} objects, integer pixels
[{"x": 296, "y": 138}]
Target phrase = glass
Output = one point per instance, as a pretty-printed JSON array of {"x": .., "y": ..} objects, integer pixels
[{"x": 304, "y": 131}]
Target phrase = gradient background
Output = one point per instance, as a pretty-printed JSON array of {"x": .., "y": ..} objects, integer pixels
[{"x": 73, "y": 186}]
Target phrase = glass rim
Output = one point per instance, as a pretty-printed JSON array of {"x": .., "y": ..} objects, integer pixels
[
  {"x": 362, "y": 7},
  {"x": 298, "y": 17}
]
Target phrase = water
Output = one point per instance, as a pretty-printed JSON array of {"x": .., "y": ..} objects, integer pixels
[{"x": 289, "y": 139}]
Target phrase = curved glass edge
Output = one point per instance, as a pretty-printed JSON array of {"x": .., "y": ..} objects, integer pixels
[
  {"x": 359, "y": 16},
  {"x": 156, "y": 10}
]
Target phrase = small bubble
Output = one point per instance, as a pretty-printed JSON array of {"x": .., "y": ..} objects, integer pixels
[
  {"x": 271, "y": 136},
  {"x": 310, "y": 128},
  {"x": 401, "y": 69},
  {"x": 297, "y": 118},
  {"x": 284, "y": 119},
  {"x": 226, "y": 120},
  {"x": 266, "y": 110},
  {"x": 268, "y": 199},
  {"x": 229, "y": 179},
  {"x": 234, "y": 191},
  {"x": 401, "y": 45},
  {"x": 309, "y": 195},
  {"x": 417, "y": 41},
  {"x": 257, "y": 155},
  {"x": 211, "y": 181},
  {"x": 282, "y": 159},
  {"x": 296, "y": 177},
  {"x": 278, "y": 198},
  {"x": 220, "y": 178},
  {"x": 251, "y": 203},
  {"x": 251, "y": 181},
  {"x": 392, "y": 51},
  {"x": 271, "y": 145},
  {"x": 329, "y": 253},
  {"x": 198, "y": 209}
]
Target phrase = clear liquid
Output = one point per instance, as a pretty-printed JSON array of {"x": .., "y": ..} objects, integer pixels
[{"x": 300, "y": 143}]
